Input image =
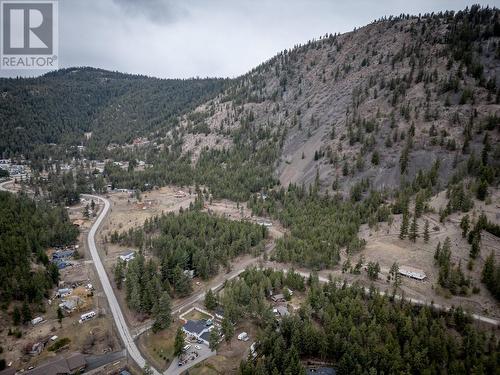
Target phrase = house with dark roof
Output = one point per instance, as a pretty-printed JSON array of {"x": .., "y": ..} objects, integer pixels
[
  {"x": 199, "y": 329},
  {"x": 63, "y": 254},
  {"x": 320, "y": 371},
  {"x": 219, "y": 312},
  {"x": 278, "y": 298},
  {"x": 73, "y": 364}
]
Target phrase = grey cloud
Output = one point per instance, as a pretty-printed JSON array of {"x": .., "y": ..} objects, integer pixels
[
  {"x": 157, "y": 11},
  {"x": 187, "y": 38}
]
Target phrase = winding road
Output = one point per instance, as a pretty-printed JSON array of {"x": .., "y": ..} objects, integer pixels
[
  {"x": 125, "y": 334},
  {"x": 2, "y": 185},
  {"x": 116, "y": 311}
]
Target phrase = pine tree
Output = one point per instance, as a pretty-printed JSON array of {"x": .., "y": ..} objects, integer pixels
[
  {"x": 214, "y": 338},
  {"x": 292, "y": 362},
  {"x": 119, "y": 273},
  {"x": 16, "y": 316},
  {"x": 447, "y": 245},
  {"x": 162, "y": 312},
  {"x": 394, "y": 272},
  {"x": 413, "y": 230},
  {"x": 486, "y": 149},
  {"x": 26, "y": 312},
  {"x": 210, "y": 300},
  {"x": 404, "y": 224},
  {"x": 373, "y": 270},
  {"x": 488, "y": 274},
  {"x": 426, "y": 231},
  {"x": 419, "y": 205},
  {"x": 437, "y": 253},
  {"x": 135, "y": 298},
  {"x": 227, "y": 329},
  {"x": 482, "y": 190},
  {"x": 179, "y": 342},
  {"x": 475, "y": 245},
  {"x": 403, "y": 160},
  {"x": 86, "y": 211},
  {"x": 464, "y": 225},
  {"x": 60, "y": 315}
]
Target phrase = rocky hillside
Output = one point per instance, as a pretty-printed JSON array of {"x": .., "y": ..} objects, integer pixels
[{"x": 380, "y": 102}]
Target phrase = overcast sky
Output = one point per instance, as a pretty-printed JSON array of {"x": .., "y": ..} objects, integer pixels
[{"x": 223, "y": 38}]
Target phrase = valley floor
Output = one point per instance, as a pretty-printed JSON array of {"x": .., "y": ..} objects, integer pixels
[{"x": 383, "y": 246}]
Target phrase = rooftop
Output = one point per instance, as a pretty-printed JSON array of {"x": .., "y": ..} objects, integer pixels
[
  {"x": 320, "y": 371},
  {"x": 282, "y": 310},
  {"x": 60, "y": 366},
  {"x": 195, "y": 326},
  {"x": 205, "y": 336}
]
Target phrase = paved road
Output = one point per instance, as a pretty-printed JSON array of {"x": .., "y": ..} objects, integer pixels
[
  {"x": 116, "y": 311},
  {"x": 194, "y": 298},
  {"x": 414, "y": 301},
  {"x": 2, "y": 185}
]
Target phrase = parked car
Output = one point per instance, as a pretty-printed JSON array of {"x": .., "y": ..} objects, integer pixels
[{"x": 197, "y": 347}]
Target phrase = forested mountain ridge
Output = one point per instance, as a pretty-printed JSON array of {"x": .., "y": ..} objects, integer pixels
[
  {"x": 370, "y": 107},
  {"x": 60, "y": 106},
  {"x": 379, "y": 103}
]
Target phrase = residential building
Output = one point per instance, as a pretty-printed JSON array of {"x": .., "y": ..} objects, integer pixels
[
  {"x": 127, "y": 257},
  {"x": 278, "y": 298},
  {"x": 281, "y": 311},
  {"x": 63, "y": 254},
  {"x": 197, "y": 329},
  {"x": 63, "y": 292},
  {"x": 219, "y": 313},
  {"x": 73, "y": 364},
  {"x": 69, "y": 305},
  {"x": 320, "y": 371}
]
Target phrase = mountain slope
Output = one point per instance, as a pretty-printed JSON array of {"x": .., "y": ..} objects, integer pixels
[
  {"x": 381, "y": 102},
  {"x": 62, "y": 105}
]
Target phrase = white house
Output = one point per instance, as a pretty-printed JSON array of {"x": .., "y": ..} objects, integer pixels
[{"x": 127, "y": 257}]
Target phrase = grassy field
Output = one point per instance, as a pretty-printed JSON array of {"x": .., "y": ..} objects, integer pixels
[
  {"x": 209, "y": 367},
  {"x": 159, "y": 347},
  {"x": 196, "y": 315}
]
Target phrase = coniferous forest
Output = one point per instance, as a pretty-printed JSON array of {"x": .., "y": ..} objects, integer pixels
[
  {"x": 190, "y": 240},
  {"x": 60, "y": 106},
  {"x": 359, "y": 333},
  {"x": 27, "y": 229}
]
